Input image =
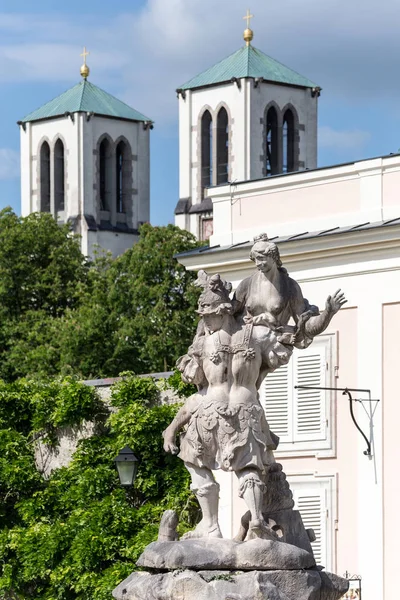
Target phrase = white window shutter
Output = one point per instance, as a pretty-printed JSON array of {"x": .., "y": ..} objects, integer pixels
[
  {"x": 311, "y": 368},
  {"x": 276, "y": 399},
  {"x": 301, "y": 417},
  {"x": 310, "y": 500}
]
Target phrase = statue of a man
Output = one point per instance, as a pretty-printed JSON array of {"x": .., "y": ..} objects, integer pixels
[{"x": 225, "y": 424}]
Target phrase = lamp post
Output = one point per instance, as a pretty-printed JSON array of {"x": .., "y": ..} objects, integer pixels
[
  {"x": 354, "y": 591},
  {"x": 127, "y": 465}
]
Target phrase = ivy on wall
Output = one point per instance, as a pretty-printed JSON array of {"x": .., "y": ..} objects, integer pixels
[{"x": 77, "y": 534}]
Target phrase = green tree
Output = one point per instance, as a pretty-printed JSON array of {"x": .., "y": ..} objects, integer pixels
[
  {"x": 62, "y": 314},
  {"x": 139, "y": 312},
  {"x": 42, "y": 271},
  {"x": 41, "y": 265},
  {"x": 77, "y": 534}
]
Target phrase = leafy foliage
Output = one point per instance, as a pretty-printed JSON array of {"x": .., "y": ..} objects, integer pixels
[
  {"x": 62, "y": 314},
  {"x": 77, "y": 534},
  {"x": 139, "y": 312},
  {"x": 41, "y": 273},
  {"x": 174, "y": 382},
  {"x": 40, "y": 265}
]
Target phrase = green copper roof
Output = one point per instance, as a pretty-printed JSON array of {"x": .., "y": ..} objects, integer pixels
[
  {"x": 86, "y": 97},
  {"x": 248, "y": 62}
]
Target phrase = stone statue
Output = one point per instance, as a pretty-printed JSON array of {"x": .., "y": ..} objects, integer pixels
[
  {"x": 237, "y": 344},
  {"x": 270, "y": 297}
]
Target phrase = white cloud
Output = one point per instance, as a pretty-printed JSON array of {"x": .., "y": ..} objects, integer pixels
[
  {"x": 349, "y": 48},
  {"x": 342, "y": 140},
  {"x": 9, "y": 163}
]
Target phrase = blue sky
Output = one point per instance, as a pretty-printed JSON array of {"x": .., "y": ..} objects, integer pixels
[{"x": 142, "y": 50}]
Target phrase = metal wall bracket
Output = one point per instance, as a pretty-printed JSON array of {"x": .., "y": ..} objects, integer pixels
[{"x": 370, "y": 412}]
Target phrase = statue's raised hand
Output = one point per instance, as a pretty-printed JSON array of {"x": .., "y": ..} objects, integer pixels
[{"x": 335, "y": 302}]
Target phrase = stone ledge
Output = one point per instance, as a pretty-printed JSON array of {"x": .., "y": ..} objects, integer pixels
[{"x": 206, "y": 553}]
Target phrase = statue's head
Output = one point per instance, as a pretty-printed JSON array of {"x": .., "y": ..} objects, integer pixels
[
  {"x": 265, "y": 254},
  {"x": 214, "y": 299}
]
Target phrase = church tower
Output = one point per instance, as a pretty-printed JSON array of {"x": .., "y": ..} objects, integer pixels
[
  {"x": 245, "y": 118},
  {"x": 85, "y": 159}
]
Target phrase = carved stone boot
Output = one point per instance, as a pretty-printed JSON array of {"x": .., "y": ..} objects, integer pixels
[
  {"x": 252, "y": 490},
  {"x": 261, "y": 529},
  {"x": 208, "y": 498}
]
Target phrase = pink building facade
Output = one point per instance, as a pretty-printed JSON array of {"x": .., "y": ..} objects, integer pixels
[{"x": 335, "y": 228}]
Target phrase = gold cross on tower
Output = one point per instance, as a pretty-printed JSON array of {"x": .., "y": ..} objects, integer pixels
[
  {"x": 248, "y": 33},
  {"x": 248, "y": 17},
  {"x": 84, "y": 68}
]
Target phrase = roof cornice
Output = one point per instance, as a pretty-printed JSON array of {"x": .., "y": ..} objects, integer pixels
[{"x": 341, "y": 250}]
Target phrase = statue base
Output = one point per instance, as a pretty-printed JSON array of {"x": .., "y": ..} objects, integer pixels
[
  {"x": 216, "y": 569},
  {"x": 238, "y": 585}
]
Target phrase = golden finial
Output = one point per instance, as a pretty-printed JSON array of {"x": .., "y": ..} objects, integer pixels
[
  {"x": 84, "y": 68},
  {"x": 248, "y": 33}
]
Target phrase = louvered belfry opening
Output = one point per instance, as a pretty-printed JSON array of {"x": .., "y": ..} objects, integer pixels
[
  {"x": 288, "y": 142},
  {"x": 105, "y": 175},
  {"x": 206, "y": 151},
  {"x": 122, "y": 177},
  {"x": 45, "y": 177},
  {"x": 222, "y": 146},
  {"x": 272, "y": 143},
  {"x": 59, "y": 176}
]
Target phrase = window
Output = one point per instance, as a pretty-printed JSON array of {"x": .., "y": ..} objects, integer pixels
[
  {"x": 272, "y": 162},
  {"x": 59, "y": 172},
  {"x": 314, "y": 497},
  {"x": 105, "y": 175},
  {"x": 222, "y": 146},
  {"x": 301, "y": 418},
  {"x": 45, "y": 177},
  {"x": 288, "y": 142},
  {"x": 121, "y": 177},
  {"x": 206, "y": 228},
  {"x": 206, "y": 151}
]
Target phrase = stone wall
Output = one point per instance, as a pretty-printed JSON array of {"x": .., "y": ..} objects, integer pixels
[{"x": 49, "y": 458}]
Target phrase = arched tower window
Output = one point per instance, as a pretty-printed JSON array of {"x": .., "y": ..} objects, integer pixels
[
  {"x": 206, "y": 150},
  {"x": 59, "y": 173},
  {"x": 222, "y": 146},
  {"x": 272, "y": 153},
  {"x": 105, "y": 174},
  {"x": 288, "y": 142},
  {"x": 122, "y": 177},
  {"x": 45, "y": 177}
]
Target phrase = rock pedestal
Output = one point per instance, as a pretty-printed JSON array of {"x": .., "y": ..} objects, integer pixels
[{"x": 217, "y": 569}]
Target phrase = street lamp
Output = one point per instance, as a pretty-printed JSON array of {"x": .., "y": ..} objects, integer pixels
[
  {"x": 127, "y": 465},
  {"x": 354, "y": 591}
]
